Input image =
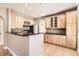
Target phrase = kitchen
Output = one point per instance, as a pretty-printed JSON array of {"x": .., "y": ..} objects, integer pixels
[{"x": 27, "y": 36}]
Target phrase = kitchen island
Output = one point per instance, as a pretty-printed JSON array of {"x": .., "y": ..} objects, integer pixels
[{"x": 29, "y": 45}]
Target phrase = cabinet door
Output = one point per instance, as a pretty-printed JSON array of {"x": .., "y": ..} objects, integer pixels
[
  {"x": 13, "y": 20},
  {"x": 45, "y": 38},
  {"x": 51, "y": 38},
  {"x": 61, "y": 21},
  {"x": 71, "y": 29},
  {"x": 71, "y": 42},
  {"x": 62, "y": 40},
  {"x": 71, "y": 35},
  {"x": 47, "y": 22},
  {"x": 55, "y": 39},
  {"x": 71, "y": 16}
]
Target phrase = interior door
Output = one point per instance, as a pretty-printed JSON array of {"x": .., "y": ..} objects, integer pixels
[{"x": 1, "y": 31}]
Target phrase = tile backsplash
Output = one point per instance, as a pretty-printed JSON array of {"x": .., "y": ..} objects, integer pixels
[{"x": 57, "y": 30}]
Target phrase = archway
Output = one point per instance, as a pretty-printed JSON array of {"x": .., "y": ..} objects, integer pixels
[{"x": 1, "y": 30}]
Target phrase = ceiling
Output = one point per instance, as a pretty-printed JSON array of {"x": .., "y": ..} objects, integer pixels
[{"x": 38, "y": 9}]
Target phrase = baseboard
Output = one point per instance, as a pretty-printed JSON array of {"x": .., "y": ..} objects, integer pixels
[{"x": 10, "y": 51}]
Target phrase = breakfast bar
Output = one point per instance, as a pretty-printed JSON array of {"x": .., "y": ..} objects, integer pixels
[{"x": 29, "y": 45}]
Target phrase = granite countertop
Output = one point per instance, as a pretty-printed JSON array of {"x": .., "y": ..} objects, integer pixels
[
  {"x": 56, "y": 33},
  {"x": 21, "y": 34}
]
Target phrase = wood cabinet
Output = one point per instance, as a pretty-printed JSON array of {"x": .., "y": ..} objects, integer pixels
[
  {"x": 56, "y": 21},
  {"x": 45, "y": 37},
  {"x": 66, "y": 20},
  {"x": 13, "y": 21},
  {"x": 30, "y": 20},
  {"x": 56, "y": 39},
  {"x": 61, "y": 21},
  {"x": 71, "y": 17},
  {"x": 17, "y": 20},
  {"x": 47, "y": 22}
]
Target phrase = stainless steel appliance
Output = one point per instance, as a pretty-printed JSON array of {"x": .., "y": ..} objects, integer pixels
[{"x": 34, "y": 29}]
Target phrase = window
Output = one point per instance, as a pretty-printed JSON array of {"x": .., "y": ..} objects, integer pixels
[
  {"x": 55, "y": 22},
  {"x": 52, "y": 22}
]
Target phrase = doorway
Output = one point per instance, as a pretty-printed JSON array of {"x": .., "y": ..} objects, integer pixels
[
  {"x": 42, "y": 26},
  {"x": 1, "y": 30}
]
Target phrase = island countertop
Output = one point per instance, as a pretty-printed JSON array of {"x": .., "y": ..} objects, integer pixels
[
  {"x": 25, "y": 45},
  {"x": 21, "y": 34}
]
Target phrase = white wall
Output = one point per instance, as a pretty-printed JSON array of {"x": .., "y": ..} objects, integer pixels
[
  {"x": 41, "y": 23},
  {"x": 3, "y": 13},
  {"x": 78, "y": 29},
  {"x": 1, "y": 30}
]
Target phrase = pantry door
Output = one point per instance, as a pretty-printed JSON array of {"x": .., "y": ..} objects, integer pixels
[{"x": 1, "y": 30}]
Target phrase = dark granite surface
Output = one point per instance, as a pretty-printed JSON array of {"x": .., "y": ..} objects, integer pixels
[
  {"x": 20, "y": 34},
  {"x": 55, "y": 33}
]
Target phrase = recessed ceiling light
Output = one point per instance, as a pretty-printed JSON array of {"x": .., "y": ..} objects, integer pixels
[{"x": 26, "y": 5}]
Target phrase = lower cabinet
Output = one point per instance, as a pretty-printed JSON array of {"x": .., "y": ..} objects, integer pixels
[
  {"x": 71, "y": 41},
  {"x": 61, "y": 40},
  {"x": 56, "y": 39},
  {"x": 45, "y": 37}
]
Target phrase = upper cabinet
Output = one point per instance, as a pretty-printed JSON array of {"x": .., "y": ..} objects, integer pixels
[
  {"x": 71, "y": 16},
  {"x": 61, "y": 20},
  {"x": 17, "y": 20},
  {"x": 71, "y": 30},
  {"x": 47, "y": 22},
  {"x": 13, "y": 19},
  {"x": 56, "y": 21}
]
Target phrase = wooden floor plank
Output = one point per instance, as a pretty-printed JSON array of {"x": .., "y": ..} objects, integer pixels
[
  {"x": 4, "y": 52},
  {"x": 53, "y": 50}
]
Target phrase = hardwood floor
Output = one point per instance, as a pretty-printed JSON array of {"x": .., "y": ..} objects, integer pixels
[
  {"x": 49, "y": 50},
  {"x": 4, "y": 52},
  {"x": 53, "y": 50}
]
